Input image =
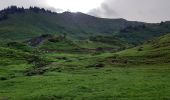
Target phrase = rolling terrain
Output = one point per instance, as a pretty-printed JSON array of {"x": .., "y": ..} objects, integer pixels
[
  {"x": 22, "y": 24},
  {"x": 137, "y": 73},
  {"x": 74, "y": 56}
]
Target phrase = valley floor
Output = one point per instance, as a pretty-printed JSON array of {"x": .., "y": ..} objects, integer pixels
[{"x": 113, "y": 82}]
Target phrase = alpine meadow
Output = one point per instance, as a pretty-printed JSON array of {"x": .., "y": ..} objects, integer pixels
[{"x": 50, "y": 55}]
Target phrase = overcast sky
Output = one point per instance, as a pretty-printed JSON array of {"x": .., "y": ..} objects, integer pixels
[{"x": 136, "y": 10}]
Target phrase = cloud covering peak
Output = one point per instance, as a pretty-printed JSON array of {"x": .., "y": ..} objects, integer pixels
[
  {"x": 136, "y": 10},
  {"x": 140, "y": 10}
]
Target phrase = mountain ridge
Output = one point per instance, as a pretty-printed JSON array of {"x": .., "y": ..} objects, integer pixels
[{"x": 18, "y": 24}]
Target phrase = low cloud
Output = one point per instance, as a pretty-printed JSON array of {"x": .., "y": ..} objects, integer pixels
[
  {"x": 28, "y": 3},
  {"x": 23, "y": 3},
  {"x": 136, "y": 10},
  {"x": 140, "y": 10},
  {"x": 104, "y": 11}
]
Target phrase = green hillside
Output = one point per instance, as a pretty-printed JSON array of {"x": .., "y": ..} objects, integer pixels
[
  {"x": 94, "y": 44},
  {"x": 16, "y": 58},
  {"x": 22, "y": 24},
  {"x": 34, "y": 21},
  {"x": 74, "y": 56},
  {"x": 145, "y": 32},
  {"x": 157, "y": 50},
  {"x": 138, "y": 73}
]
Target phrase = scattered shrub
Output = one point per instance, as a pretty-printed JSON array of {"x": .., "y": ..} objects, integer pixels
[
  {"x": 99, "y": 65},
  {"x": 95, "y": 65},
  {"x": 140, "y": 49},
  {"x": 38, "y": 71},
  {"x": 3, "y": 78}
]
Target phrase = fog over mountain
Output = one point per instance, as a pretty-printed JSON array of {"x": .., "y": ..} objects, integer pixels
[{"x": 139, "y": 10}]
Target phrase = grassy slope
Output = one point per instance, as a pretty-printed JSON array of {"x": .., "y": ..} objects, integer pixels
[
  {"x": 140, "y": 34},
  {"x": 107, "y": 44},
  {"x": 23, "y": 26},
  {"x": 30, "y": 24},
  {"x": 17, "y": 59},
  {"x": 12, "y": 62},
  {"x": 158, "y": 49},
  {"x": 142, "y": 82},
  {"x": 77, "y": 76}
]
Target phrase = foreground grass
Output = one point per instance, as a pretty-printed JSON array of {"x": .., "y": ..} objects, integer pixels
[
  {"x": 145, "y": 82},
  {"x": 140, "y": 73}
]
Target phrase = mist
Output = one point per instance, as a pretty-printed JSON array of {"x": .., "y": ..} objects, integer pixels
[{"x": 136, "y": 10}]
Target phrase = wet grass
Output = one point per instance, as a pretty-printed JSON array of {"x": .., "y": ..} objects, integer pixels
[{"x": 77, "y": 77}]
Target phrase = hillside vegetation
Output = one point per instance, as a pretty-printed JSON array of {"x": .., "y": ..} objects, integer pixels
[
  {"x": 157, "y": 49},
  {"x": 22, "y": 24},
  {"x": 74, "y": 56},
  {"x": 138, "y": 73}
]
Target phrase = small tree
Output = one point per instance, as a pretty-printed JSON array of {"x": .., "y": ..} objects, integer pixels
[{"x": 140, "y": 49}]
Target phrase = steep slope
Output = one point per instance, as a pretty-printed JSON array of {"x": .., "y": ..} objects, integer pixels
[
  {"x": 61, "y": 43},
  {"x": 157, "y": 51},
  {"x": 17, "y": 58},
  {"x": 23, "y": 24},
  {"x": 34, "y": 21},
  {"x": 143, "y": 32}
]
